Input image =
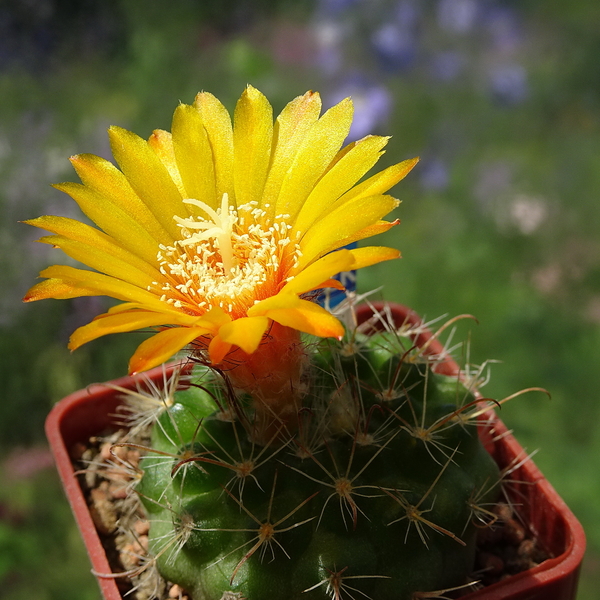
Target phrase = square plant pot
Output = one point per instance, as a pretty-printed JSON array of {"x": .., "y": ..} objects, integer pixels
[{"x": 93, "y": 411}]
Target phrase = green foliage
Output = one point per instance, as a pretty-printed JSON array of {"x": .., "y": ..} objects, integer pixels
[{"x": 57, "y": 545}]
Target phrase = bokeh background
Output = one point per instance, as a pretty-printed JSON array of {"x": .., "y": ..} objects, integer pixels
[{"x": 501, "y": 219}]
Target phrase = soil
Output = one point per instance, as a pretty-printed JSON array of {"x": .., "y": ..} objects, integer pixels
[{"x": 108, "y": 470}]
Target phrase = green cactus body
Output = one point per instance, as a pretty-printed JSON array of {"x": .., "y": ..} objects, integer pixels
[{"x": 369, "y": 495}]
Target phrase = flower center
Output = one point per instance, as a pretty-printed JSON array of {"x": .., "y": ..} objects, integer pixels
[{"x": 231, "y": 259}]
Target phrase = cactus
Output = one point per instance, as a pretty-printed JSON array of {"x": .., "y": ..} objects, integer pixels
[
  {"x": 342, "y": 463},
  {"x": 373, "y": 488}
]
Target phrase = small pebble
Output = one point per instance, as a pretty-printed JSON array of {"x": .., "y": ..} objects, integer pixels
[
  {"x": 514, "y": 532},
  {"x": 504, "y": 511},
  {"x": 142, "y": 527},
  {"x": 118, "y": 491},
  {"x": 133, "y": 457},
  {"x": 129, "y": 556},
  {"x": 105, "y": 451},
  {"x": 526, "y": 548}
]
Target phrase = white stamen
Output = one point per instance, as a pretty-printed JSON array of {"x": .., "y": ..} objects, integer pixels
[{"x": 224, "y": 259}]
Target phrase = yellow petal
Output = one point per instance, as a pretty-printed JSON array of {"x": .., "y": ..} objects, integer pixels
[
  {"x": 291, "y": 128},
  {"x": 161, "y": 347},
  {"x": 94, "y": 240},
  {"x": 329, "y": 283},
  {"x": 217, "y": 124},
  {"x": 370, "y": 255},
  {"x": 317, "y": 150},
  {"x": 343, "y": 222},
  {"x": 104, "y": 262},
  {"x": 246, "y": 332},
  {"x": 104, "y": 285},
  {"x": 55, "y": 288},
  {"x": 216, "y": 317},
  {"x": 116, "y": 195},
  {"x": 291, "y": 311},
  {"x": 111, "y": 219},
  {"x": 119, "y": 323},
  {"x": 218, "y": 349},
  {"x": 346, "y": 172},
  {"x": 319, "y": 271},
  {"x": 380, "y": 182},
  {"x": 194, "y": 155},
  {"x": 161, "y": 142},
  {"x": 148, "y": 177},
  {"x": 369, "y": 231},
  {"x": 252, "y": 137},
  {"x": 125, "y": 306}
]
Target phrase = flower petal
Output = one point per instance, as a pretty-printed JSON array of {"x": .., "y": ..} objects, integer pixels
[
  {"x": 314, "y": 156},
  {"x": 104, "y": 285},
  {"x": 217, "y": 317},
  {"x": 369, "y": 231},
  {"x": 194, "y": 155},
  {"x": 246, "y": 332},
  {"x": 148, "y": 177},
  {"x": 342, "y": 176},
  {"x": 161, "y": 142},
  {"x": 380, "y": 182},
  {"x": 319, "y": 271},
  {"x": 131, "y": 320},
  {"x": 115, "y": 222},
  {"x": 339, "y": 224},
  {"x": 113, "y": 187},
  {"x": 371, "y": 255},
  {"x": 161, "y": 347},
  {"x": 102, "y": 261},
  {"x": 55, "y": 288},
  {"x": 218, "y": 349},
  {"x": 329, "y": 283},
  {"x": 92, "y": 241},
  {"x": 252, "y": 137},
  {"x": 217, "y": 123},
  {"x": 303, "y": 315},
  {"x": 291, "y": 128}
]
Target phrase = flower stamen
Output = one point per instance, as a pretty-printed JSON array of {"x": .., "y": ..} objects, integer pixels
[
  {"x": 231, "y": 259},
  {"x": 221, "y": 228}
]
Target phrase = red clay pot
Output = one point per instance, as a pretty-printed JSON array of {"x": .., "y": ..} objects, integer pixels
[{"x": 91, "y": 411}]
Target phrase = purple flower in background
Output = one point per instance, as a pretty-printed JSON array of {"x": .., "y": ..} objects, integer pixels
[
  {"x": 434, "y": 175},
  {"x": 372, "y": 106},
  {"x": 329, "y": 36},
  {"x": 446, "y": 66},
  {"x": 457, "y": 16},
  {"x": 395, "y": 47},
  {"x": 504, "y": 27},
  {"x": 407, "y": 14},
  {"x": 508, "y": 84},
  {"x": 334, "y": 7}
]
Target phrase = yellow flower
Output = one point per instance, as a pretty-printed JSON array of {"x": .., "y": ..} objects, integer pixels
[{"x": 215, "y": 230}]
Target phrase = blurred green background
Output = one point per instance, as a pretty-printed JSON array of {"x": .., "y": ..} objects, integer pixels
[{"x": 501, "y": 219}]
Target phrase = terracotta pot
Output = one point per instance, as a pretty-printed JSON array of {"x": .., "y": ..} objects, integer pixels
[{"x": 91, "y": 411}]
